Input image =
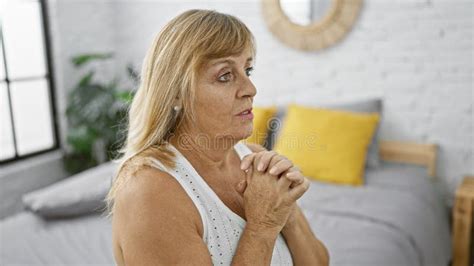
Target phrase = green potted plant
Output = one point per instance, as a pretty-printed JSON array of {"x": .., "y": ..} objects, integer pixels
[{"x": 96, "y": 115}]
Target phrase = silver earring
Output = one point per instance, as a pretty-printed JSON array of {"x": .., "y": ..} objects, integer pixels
[{"x": 177, "y": 108}]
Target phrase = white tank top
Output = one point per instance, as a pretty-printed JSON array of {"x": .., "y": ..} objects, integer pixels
[{"x": 222, "y": 227}]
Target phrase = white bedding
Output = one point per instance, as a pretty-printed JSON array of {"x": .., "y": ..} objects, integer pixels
[{"x": 397, "y": 218}]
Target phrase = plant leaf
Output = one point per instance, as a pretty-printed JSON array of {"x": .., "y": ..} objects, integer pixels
[
  {"x": 86, "y": 80},
  {"x": 81, "y": 139},
  {"x": 125, "y": 96},
  {"x": 133, "y": 74},
  {"x": 81, "y": 60}
]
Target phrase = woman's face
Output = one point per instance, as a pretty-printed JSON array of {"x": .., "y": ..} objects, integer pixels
[{"x": 224, "y": 90}]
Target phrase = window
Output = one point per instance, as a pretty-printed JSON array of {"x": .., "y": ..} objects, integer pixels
[{"x": 27, "y": 112}]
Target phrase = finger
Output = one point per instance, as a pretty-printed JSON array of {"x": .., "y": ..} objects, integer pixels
[
  {"x": 247, "y": 161},
  {"x": 284, "y": 183},
  {"x": 295, "y": 168},
  {"x": 265, "y": 160},
  {"x": 248, "y": 176},
  {"x": 295, "y": 176},
  {"x": 298, "y": 191},
  {"x": 296, "y": 179},
  {"x": 280, "y": 167},
  {"x": 291, "y": 170},
  {"x": 275, "y": 160},
  {"x": 241, "y": 186},
  {"x": 257, "y": 159}
]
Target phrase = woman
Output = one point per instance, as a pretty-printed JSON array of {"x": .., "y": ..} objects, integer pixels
[{"x": 187, "y": 191}]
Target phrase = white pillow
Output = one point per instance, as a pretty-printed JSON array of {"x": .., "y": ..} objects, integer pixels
[{"x": 76, "y": 195}]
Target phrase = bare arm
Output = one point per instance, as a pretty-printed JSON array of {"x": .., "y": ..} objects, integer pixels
[
  {"x": 156, "y": 223},
  {"x": 305, "y": 248},
  {"x": 268, "y": 201},
  {"x": 255, "y": 247}
]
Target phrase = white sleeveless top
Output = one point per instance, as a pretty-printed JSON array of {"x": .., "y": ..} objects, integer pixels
[{"x": 222, "y": 227}]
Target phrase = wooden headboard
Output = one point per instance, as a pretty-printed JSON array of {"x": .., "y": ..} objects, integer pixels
[{"x": 410, "y": 152}]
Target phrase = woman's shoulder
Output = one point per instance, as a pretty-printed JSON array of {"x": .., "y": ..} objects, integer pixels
[
  {"x": 151, "y": 193},
  {"x": 145, "y": 176},
  {"x": 151, "y": 207},
  {"x": 142, "y": 182}
]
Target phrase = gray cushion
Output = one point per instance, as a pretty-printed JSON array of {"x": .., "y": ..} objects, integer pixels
[
  {"x": 76, "y": 195},
  {"x": 369, "y": 105}
]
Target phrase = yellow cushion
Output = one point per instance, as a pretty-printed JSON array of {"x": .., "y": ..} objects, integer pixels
[
  {"x": 261, "y": 117},
  {"x": 326, "y": 144}
]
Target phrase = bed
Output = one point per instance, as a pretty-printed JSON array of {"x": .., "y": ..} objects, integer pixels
[{"x": 397, "y": 218}]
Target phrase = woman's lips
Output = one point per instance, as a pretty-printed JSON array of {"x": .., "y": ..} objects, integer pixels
[{"x": 246, "y": 115}]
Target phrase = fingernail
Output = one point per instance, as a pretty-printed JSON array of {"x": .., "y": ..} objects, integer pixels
[
  {"x": 272, "y": 171},
  {"x": 242, "y": 167},
  {"x": 260, "y": 167}
]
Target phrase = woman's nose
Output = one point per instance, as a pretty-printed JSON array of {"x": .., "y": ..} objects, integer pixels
[{"x": 247, "y": 89}]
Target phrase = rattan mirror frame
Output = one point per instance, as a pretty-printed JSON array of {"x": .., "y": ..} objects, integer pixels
[{"x": 321, "y": 34}]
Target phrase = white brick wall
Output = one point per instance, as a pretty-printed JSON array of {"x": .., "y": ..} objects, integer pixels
[{"x": 418, "y": 55}]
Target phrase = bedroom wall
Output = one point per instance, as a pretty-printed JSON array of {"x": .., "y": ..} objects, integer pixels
[{"x": 417, "y": 55}]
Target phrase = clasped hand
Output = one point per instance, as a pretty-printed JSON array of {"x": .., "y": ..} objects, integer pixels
[{"x": 271, "y": 188}]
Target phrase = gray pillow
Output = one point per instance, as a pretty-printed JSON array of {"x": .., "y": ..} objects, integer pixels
[
  {"x": 369, "y": 105},
  {"x": 79, "y": 194}
]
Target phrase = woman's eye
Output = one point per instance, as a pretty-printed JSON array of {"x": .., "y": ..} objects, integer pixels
[
  {"x": 249, "y": 71},
  {"x": 228, "y": 76},
  {"x": 225, "y": 77}
]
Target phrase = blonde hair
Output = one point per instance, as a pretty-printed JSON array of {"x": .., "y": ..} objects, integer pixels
[{"x": 169, "y": 72}]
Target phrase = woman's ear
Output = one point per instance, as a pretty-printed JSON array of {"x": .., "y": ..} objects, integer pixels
[{"x": 177, "y": 104}]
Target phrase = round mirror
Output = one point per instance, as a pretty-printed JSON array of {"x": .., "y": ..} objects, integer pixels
[
  {"x": 305, "y": 12},
  {"x": 310, "y": 24}
]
